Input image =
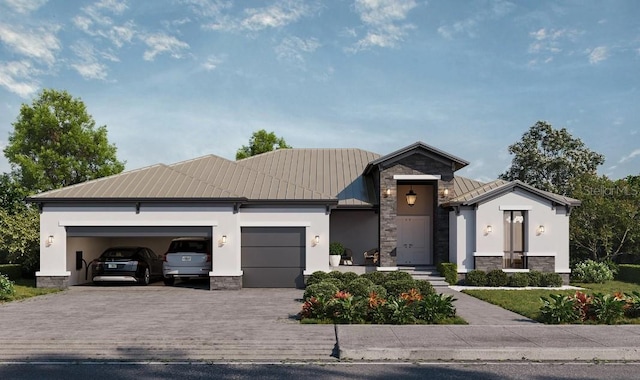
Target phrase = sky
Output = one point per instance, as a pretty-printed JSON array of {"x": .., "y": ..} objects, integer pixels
[{"x": 178, "y": 79}]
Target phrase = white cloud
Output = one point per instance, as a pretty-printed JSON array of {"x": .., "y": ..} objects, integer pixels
[
  {"x": 94, "y": 22},
  {"x": 40, "y": 43},
  {"x": 292, "y": 48},
  {"x": 17, "y": 77},
  {"x": 212, "y": 63},
  {"x": 629, "y": 156},
  {"x": 159, "y": 43},
  {"x": 87, "y": 64},
  {"x": 207, "y": 8},
  {"x": 469, "y": 25},
  {"x": 598, "y": 54},
  {"x": 280, "y": 14},
  {"x": 25, "y": 6},
  {"x": 384, "y": 22},
  {"x": 550, "y": 42}
]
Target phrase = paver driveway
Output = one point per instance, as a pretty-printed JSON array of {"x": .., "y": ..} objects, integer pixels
[{"x": 161, "y": 323}]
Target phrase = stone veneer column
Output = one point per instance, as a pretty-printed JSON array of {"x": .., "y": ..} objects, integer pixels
[
  {"x": 225, "y": 282},
  {"x": 416, "y": 164}
]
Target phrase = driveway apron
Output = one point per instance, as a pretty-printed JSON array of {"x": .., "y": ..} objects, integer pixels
[{"x": 162, "y": 323}]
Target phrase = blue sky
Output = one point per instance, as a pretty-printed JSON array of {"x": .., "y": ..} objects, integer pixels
[{"x": 177, "y": 79}]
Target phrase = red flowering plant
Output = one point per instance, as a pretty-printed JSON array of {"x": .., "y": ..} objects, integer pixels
[
  {"x": 411, "y": 296},
  {"x": 345, "y": 308},
  {"x": 376, "y": 309},
  {"x": 583, "y": 304},
  {"x": 312, "y": 308}
]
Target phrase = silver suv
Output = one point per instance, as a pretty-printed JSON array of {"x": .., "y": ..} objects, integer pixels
[{"x": 187, "y": 258}]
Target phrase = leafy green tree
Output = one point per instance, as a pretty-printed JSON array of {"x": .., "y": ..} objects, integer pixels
[
  {"x": 20, "y": 237},
  {"x": 261, "y": 142},
  {"x": 549, "y": 159},
  {"x": 55, "y": 143},
  {"x": 11, "y": 194},
  {"x": 608, "y": 221}
]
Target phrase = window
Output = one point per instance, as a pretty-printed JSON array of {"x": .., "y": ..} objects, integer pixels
[{"x": 514, "y": 223}]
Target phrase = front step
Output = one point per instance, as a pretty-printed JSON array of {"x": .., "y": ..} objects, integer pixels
[{"x": 427, "y": 273}]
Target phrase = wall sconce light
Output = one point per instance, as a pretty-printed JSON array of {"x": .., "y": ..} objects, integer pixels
[
  {"x": 49, "y": 240},
  {"x": 222, "y": 241},
  {"x": 386, "y": 193},
  {"x": 488, "y": 229},
  {"x": 540, "y": 229},
  {"x": 316, "y": 240},
  {"x": 411, "y": 197},
  {"x": 445, "y": 192}
]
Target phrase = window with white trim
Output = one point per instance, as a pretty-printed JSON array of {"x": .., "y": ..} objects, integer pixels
[{"x": 514, "y": 239}]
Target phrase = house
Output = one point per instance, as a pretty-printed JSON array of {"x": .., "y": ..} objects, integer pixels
[{"x": 271, "y": 217}]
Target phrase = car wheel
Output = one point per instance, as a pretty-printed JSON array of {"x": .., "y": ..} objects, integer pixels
[
  {"x": 146, "y": 277},
  {"x": 169, "y": 281}
]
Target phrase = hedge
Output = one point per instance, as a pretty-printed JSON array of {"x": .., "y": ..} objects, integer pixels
[
  {"x": 629, "y": 273},
  {"x": 13, "y": 271},
  {"x": 449, "y": 271}
]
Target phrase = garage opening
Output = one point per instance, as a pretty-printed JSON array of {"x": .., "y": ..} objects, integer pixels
[
  {"x": 273, "y": 257},
  {"x": 89, "y": 242}
]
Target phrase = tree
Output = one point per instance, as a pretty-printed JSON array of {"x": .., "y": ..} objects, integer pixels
[
  {"x": 55, "y": 144},
  {"x": 608, "y": 221},
  {"x": 549, "y": 159},
  {"x": 261, "y": 142},
  {"x": 20, "y": 237}
]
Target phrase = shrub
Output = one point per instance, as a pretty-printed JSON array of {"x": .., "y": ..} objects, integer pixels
[
  {"x": 335, "y": 274},
  {"x": 376, "y": 277},
  {"x": 398, "y": 312},
  {"x": 379, "y": 290},
  {"x": 312, "y": 308},
  {"x": 322, "y": 290},
  {"x": 317, "y": 277},
  {"x": 398, "y": 276},
  {"x": 607, "y": 308},
  {"x": 397, "y": 287},
  {"x": 424, "y": 287},
  {"x": 347, "y": 277},
  {"x": 558, "y": 309},
  {"x": 335, "y": 281},
  {"x": 590, "y": 271},
  {"x": 497, "y": 277},
  {"x": 359, "y": 287},
  {"x": 449, "y": 271},
  {"x": 551, "y": 279},
  {"x": 345, "y": 308},
  {"x": 632, "y": 309},
  {"x": 435, "y": 307},
  {"x": 476, "y": 278},
  {"x": 535, "y": 278},
  {"x": 519, "y": 280},
  {"x": 6, "y": 287},
  {"x": 13, "y": 271}
]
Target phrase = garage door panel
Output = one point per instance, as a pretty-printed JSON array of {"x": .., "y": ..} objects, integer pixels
[
  {"x": 264, "y": 257},
  {"x": 272, "y": 278},
  {"x": 273, "y": 237},
  {"x": 273, "y": 257}
]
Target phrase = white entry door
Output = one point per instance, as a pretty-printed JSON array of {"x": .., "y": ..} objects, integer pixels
[{"x": 414, "y": 243}]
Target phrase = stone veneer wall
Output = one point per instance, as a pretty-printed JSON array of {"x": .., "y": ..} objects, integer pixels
[
  {"x": 541, "y": 263},
  {"x": 415, "y": 164},
  {"x": 487, "y": 263},
  {"x": 57, "y": 282},
  {"x": 225, "y": 283}
]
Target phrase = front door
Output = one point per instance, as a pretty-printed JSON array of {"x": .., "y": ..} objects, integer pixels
[{"x": 414, "y": 243}]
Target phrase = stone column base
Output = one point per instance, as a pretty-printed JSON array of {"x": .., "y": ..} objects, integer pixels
[
  {"x": 225, "y": 282},
  {"x": 55, "y": 282}
]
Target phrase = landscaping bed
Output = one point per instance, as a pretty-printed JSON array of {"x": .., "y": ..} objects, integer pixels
[
  {"x": 374, "y": 298},
  {"x": 21, "y": 289}
]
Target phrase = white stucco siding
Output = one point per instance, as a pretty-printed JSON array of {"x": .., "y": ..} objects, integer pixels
[
  {"x": 539, "y": 211},
  {"x": 314, "y": 219},
  {"x": 462, "y": 235},
  {"x": 58, "y": 259}
]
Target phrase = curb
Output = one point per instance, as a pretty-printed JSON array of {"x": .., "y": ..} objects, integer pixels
[{"x": 497, "y": 354}]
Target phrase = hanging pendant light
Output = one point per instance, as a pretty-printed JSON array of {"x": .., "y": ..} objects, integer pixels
[{"x": 411, "y": 197}]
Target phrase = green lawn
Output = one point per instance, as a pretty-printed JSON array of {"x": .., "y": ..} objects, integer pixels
[
  {"x": 26, "y": 288},
  {"x": 527, "y": 302}
]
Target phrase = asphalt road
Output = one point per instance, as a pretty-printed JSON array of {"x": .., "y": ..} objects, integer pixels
[{"x": 452, "y": 371}]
